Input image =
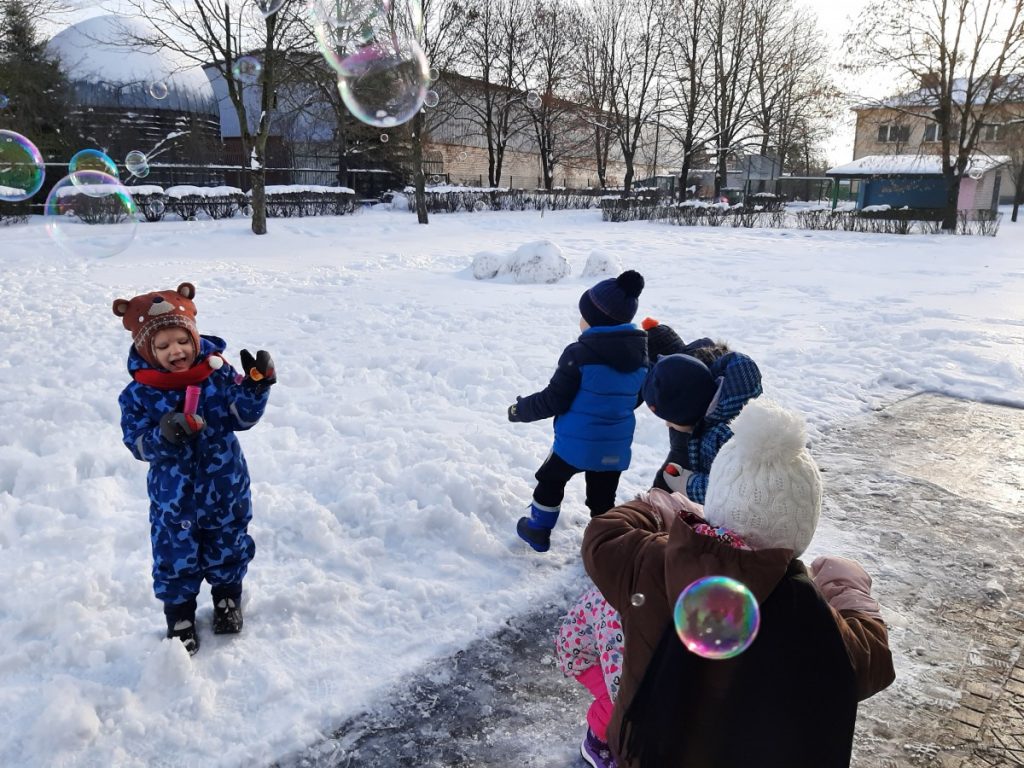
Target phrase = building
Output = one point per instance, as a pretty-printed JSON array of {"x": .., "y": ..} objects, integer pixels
[{"x": 905, "y": 125}]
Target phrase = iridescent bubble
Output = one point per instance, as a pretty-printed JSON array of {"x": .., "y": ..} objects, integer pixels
[
  {"x": 435, "y": 179},
  {"x": 22, "y": 169},
  {"x": 137, "y": 163},
  {"x": 91, "y": 215},
  {"x": 4, "y": 101},
  {"x": 156, "y": 208},
  {"x": 158, "y": 90},
  {"x": 717, "y": 617},
  {"x": 480, "y": 205},
  {"x": 247, "y": 69},
  {"x": 434, "y": 74},
  {"x": 269, "y": 7},
  {"x": 91, "y": 160},
  {"x": 461, "y": 157},
  {"x": 341, "y": 26},
  {"x": 384, "y": 85},
  {"x": 431, "y": 99},
  {"x": 383, "y": 138},
  {"x": 637, "y": 600},
  {"x": 533, "y": 99}
]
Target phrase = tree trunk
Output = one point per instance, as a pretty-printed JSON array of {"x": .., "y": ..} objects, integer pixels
[
  {"x": 258, "y": 179},
  {"x": 721, "y": 174},
  {"x": 949, "y": 212},
  {"x": 1017, "y": 191},
  {"x": 419, "y": 181},
  {"x": 627, "y": 180}
]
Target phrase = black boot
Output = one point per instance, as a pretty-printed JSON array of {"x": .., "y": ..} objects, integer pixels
[
  {"x": 227, "y": 616},
  {"x": 185, "y": 630}
]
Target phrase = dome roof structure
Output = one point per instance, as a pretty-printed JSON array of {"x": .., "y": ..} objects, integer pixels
[{"x": 107, "y": 69}]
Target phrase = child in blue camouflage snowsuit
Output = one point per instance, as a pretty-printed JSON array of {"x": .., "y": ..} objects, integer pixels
[
  {"x": 698, "y": 388},
  {"x": 198, "y": 481}
]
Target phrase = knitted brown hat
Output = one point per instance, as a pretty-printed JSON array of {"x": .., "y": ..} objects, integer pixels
[{"x": 144, "y": 315}]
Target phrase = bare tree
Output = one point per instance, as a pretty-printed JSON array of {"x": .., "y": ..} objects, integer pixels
[
  {"x": 596, "y": 68},
  {"x": 964, "y": 56},
  {"x": 728, "y": 30},
  {"x": 641, "y": 41},
  {"x": 556, "y": 119},
  {"x": 216, "y": 34}
]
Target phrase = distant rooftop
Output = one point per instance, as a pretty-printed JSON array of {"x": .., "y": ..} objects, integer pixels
[{"x": 912, "y": 165}]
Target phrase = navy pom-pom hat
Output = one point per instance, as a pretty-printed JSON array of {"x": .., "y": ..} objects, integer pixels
[
  {"x": 680, "y": 389},
  {"x": 613, "y": 301}
]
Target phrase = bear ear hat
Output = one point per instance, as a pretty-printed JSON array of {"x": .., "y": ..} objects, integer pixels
[{"x": 187, "y": 290}]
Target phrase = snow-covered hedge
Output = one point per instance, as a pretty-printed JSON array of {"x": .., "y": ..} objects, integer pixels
[
  {"x": 450, "y": 198},
  {"x": 283, "y": 200}
]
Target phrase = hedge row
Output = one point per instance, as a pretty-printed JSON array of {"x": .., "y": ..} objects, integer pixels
[{"x": 468, "y": 199}]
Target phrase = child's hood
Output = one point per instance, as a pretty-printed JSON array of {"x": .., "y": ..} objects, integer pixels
[
  {"x": 208, "y": 345},
  {"x": 622, "y": 347},
  {"x": 740, "y": 382}
]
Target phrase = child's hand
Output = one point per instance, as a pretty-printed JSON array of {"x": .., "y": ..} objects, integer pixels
[
  {"x": 513, "y": 410},
  {"x": 180, "y": 428},
  {"x": 845, "y": 585},
  {"x": 675, "y": 477},
  {"x": 259, "y": 371}
]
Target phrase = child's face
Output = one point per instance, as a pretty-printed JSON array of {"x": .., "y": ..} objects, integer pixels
[
  {"x": 676, "y": 427},
  {"x": 583, "y": 324},
  {"x": 172, "y": 348}
]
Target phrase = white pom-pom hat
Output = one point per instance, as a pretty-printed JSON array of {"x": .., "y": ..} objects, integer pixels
[{"x": 763, "y": 484}]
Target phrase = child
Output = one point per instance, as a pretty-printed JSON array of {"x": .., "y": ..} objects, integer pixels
[
  {"x": 592, "y": 396},
  {"x": 198, "y": 481},
  {"x": 698, "y": 400},
  {"x": 589, "y": 644},
  {"x": 790, "y": 699}
]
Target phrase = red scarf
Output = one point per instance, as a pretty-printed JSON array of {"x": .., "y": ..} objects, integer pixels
[{"x": 164, "y": 380}]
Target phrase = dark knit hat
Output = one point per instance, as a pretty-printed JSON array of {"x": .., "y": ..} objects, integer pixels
[
  {"x": 661, "y": 340},
  {"x": 151, "y": 312},
  {"x": 679, "y": 389},
  {"x": 612, "y": 301}
]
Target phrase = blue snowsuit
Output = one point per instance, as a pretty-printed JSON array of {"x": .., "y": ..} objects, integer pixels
[
  {"x": 740, "y": 382},
  {"x": 199, "y": 508},
  {"x": 592, "y": 395}
]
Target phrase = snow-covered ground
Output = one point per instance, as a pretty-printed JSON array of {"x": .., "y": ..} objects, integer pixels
[{"x": 386, "y": 478}]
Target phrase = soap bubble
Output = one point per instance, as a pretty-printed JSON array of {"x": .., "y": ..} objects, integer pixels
[
  {"x": 4, "y": 101},
  {"x": 533, "y": 99},
  {"x": 480, "y": 205},
  {"x": 340, "y": 26},
  {"x": 431, "y": 99},
  {"x": 269, "y": 7},
  {"x": 247, "y": 69},
  {"x": 158, "y": 90},
  {"x": 384, "y": 85},
  {"x": 717, "y": 617},
  {"x": 91, "y": 160},
  {"x": 156, "y": 208},
  {"x": 461, "y": 157},
  {"x": 137, "y": 163},
  {"x": 21, "y": 167},
  {"x": 434, "y": 74},
  {"x": 383, "y": 138},
  {"x": 90, "y": 213},
  {"x": 637, "y": 600},
  {"x": 435, "y": 179}
]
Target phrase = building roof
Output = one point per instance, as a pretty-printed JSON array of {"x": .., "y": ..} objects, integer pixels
[
  {"x": 107, "y": 70},
  {"x": 913, "y": 165},
  {"x": 1011, "y": 90}
]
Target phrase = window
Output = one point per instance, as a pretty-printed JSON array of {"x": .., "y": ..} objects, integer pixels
[
  {"x": 931, "y": 132},
  {"x": 893, "y": 133},
  {"x": 992, "y": 132}
]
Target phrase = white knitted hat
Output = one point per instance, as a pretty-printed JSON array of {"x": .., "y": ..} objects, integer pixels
[{"x": 763, "y": 483}]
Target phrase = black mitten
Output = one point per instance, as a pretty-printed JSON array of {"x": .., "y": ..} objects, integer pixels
[
  {"x": 180, "y": 428},
  {"x": 259, "y": 371},
  {"x": 513, "y": 411}
]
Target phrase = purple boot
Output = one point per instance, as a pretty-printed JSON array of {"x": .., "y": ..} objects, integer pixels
[{"x": 596, "y": 752}]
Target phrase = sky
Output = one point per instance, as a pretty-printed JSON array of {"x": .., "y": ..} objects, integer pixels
[{"x": 386, "y": 478}]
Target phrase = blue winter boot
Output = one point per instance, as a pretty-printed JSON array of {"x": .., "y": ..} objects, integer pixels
[{"x": 535, "y": 530}]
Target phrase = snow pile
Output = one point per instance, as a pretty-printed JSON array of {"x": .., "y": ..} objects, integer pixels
[
  {"x": 601, "y": 264},
  {"x": 540, "y": 261}
]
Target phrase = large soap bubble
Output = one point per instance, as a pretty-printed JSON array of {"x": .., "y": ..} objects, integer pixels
[
  {"x": 717, "y": 617},
  {"x": 22, "y": 169},
  {"x": 91, "y": 161},
  {"x": 90, "y": 213},
  {"x": 384, "y": 85}
]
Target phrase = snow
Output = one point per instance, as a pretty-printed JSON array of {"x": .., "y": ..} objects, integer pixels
[
  {"x": 386, "y": 477},
  {"x": 871, "y": 165},
  {"x": 319, "y": 188}
]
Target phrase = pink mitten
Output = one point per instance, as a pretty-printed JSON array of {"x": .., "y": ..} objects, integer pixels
[{"x": 845, "y": 585}]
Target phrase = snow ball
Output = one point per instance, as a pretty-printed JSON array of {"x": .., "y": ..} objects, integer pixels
[
  {"x": 399, "y": 203},
  {"x": 600, "y": 263},
  {"x": 215, "y": 362},
  {"x": 539, "y": 262},
  {"x": 487, "y": 265}
]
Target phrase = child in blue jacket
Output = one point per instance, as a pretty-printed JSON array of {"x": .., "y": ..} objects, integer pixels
[
  {"x": 591, "y": 396},
  {"x": 198, "y": 481}
]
